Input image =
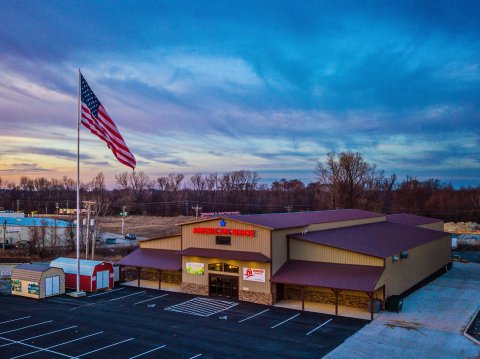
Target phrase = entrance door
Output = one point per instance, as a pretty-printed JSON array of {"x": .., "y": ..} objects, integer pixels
[
  {"x": 223, "y": 286},
  {"x": 52, "y": 286},
  {"x": 102, "y": 279}
]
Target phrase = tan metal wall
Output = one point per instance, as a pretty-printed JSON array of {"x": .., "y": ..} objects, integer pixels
[
  {"x": 259, "y": 243},
  {"x": 438, "y": 226},
  {"x": 242, "y": 284},
  {"x": 172, "y": 243},
  {"x": 354, "y": 222},
  {"x": 307, "y": 251},
  {"x": 280, "y": 247},
  {"x": 422, "y": 261},
  {"x": 52, "y": 272}
]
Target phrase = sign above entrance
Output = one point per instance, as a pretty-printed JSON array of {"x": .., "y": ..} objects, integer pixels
[
  {"x": 225, "y": 231},
  {"x": 254, "y": 274}
]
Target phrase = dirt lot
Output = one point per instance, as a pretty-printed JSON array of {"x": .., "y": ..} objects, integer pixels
[{"x": 144, "y": 226}]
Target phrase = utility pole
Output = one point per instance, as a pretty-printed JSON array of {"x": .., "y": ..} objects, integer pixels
[
  {"x": 46, "y": 207},
  {"x": 88, "y": 204},
  {"x": 123, "y": 220},
  {"x": 18, "y": 205},
  {"x": 4, "y": 234},
  {"x": 197, "y": 209},
  {"x": 288, "y": 208},
  {"x": 186, "y": 207}
]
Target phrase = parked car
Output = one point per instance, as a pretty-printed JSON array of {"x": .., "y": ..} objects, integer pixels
[
  {"x": 111, "y": 240},
  {"x": 131, "y": 236}
]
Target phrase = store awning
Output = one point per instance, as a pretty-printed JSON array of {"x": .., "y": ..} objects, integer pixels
[
  {"x": 329, "y": 275},
  {"x": 224, "y": 254},
  {"x": 153, "y": 258}
]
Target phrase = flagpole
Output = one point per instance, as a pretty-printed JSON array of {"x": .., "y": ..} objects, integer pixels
[{"x": 78, "y": 293}]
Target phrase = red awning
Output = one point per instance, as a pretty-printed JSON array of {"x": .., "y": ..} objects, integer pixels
[
  {"x": 224, "y": 254},
  {"x": 153, "y": 258},
  {"x": 329, "y": 275}
]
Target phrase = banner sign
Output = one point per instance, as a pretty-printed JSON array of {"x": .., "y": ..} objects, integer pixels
[
  {"x": 13, "y": 229},
  {"x": 195, "y": 268},
  {"x": 225, "y": 231},
  {"x": 254, "y": 275}
]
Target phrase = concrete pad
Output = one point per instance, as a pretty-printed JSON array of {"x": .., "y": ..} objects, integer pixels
[{"x": 430, "y": 325}]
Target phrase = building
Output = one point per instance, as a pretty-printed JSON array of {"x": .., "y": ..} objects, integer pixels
[
  {"x": 94, "y": 275},
  {"x": 37, "y": 281},
  {"x": 19, "y": 229},
  {"x": 339, "y": 257}
]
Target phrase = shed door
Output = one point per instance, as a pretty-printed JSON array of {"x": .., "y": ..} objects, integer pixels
[
  {"x": 102, "y": 279},
  {"x": 48, "y": 286}
]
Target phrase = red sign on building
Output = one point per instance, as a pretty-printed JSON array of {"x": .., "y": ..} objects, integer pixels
[{"x": 225, "y": 231}]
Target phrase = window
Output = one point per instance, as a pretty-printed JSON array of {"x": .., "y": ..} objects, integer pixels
[
  {"x": 222, "y": 240},
  {"x": 230, "y": 268},
  {"x": 223, "y": 267},
  {"x": 216, "y": 267}
]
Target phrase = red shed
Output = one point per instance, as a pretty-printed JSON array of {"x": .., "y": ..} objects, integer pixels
[{"x": 94, "y": 275}]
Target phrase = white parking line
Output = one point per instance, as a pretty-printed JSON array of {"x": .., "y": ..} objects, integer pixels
[
  {"x": 105, "y": 347},
  {"x": 139, "y": 355},
  {"x": 54, "y": 346},
  {"x": 125, "y": 296},
  {"x": 195, "y": 356},
  {"x": 14, "y": 320},
  {"x": 276, "y": 325},
  {"x": 253, "y": 316},
  {"x": 107, "y": 292},
  {"x": 41, "y": 335},
  {"x": 321, "y": 325},
  {"x": 28, "y": 326},
  {"x": 143, "y": 301},
  {"x": 34, "y": 347}
]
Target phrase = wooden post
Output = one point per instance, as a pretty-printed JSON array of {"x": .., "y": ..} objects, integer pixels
[
  {"x": 159, "y": 279},
  {"x": 139, "y": 270},
  {"x": 370, "y": 296},
  {"x": 336, "y": 292},
  {"x": 303, "y": 298}
]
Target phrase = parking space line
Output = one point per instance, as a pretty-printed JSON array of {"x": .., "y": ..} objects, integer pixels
[
  {"x": 321, "y": 325},
  {"x": 106, "y": 292},
  {"x": 41, "y": 335},
  {"x": 195, "y": 356},
  {"x": 286, "y": 320},
  {"x": 152, "y": 350},
  {"x": 105, "y": 347},
  {"x": 143, "y": 301},
  {"x": 34, "y": 347},
  {"x": 54, "y": 346},
  {"x": 28, "y": 326},
  {"x": 253, "y": 316},
  {"x": 125, "y": 296},
  {"x": 14, "y": 320}
]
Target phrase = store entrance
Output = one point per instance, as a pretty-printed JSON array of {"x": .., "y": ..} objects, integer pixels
[{"x": 223, "y": 286}]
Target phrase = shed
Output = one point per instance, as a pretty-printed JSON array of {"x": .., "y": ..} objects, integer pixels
[
  {"x": 94, "y": 275},
  {"x": 37, "y": 281}
]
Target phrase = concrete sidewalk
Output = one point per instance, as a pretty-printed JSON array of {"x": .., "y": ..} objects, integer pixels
[{"x": 431, "y": 324}]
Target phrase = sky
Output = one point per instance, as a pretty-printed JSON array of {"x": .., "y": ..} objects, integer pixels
[{"x": 267, "y": 86}]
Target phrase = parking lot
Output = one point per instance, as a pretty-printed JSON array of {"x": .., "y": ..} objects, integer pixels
[{"x": 141, "y": 323}]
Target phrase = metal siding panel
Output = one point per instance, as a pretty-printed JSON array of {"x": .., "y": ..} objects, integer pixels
[
  {"x": 280, "y": 247},
  {"x": 171, "y": 243},
  {"x": 307, "y": 251},
  {"x": 259, "y": 243}
]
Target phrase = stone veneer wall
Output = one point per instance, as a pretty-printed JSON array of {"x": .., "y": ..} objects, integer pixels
[
  {"x": 191, "y": 288},
  {"x": 327, "y": 297},
  {"x": 167, "y": 276},
  {"x": 255, "y": 297}
]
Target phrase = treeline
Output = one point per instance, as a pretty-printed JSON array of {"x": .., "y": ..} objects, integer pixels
[{"x": 344, "y": 180}]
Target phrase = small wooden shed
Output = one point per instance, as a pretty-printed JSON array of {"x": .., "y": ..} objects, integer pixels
[
  {"x": 37, "y": 281},
  {"x": 94, "y": 275}
]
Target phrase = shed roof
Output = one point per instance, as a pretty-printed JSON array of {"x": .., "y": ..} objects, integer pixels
[
  {"x": 28, "y": 271},
  {"x": 225, "y": 254},
  {"x": 153, "y": 258},
  {"x": 329, "y": 275},
  {"x": 69, "y": 265},
  {"x": 302, "y": 219},
  {"x": 411, "y": 219},
  {"x": 381, "y": 239}
]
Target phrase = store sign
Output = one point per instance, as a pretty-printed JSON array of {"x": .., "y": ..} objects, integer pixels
[
  {"x": 254, "y": 275},
  {"x": 225, "y": 231},
  {"x": 195, "y": 268}
]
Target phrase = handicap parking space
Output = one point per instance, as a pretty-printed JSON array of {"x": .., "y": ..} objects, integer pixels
[{"x": 147, "y": 323}]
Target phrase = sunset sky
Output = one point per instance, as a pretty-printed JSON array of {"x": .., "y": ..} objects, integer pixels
[{"x": 269, "y": 86}]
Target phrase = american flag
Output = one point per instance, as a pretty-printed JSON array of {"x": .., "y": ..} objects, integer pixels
[{"x": 97, "y": 120}]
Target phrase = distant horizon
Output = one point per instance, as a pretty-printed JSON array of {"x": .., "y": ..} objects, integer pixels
[{"x": 263, "y": 86}]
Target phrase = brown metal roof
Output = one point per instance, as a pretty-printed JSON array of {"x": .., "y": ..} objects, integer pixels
[
  {"x": 153, "y": 258},
  {"x": 381, "y": 239},
  {"x": 302, "y": 219},
  {"x": 224, "y": 254},
  {"x": 329, "y": 275},
  {"x": 411, "y": 219},
  {"x": 28, "y": 271}
]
